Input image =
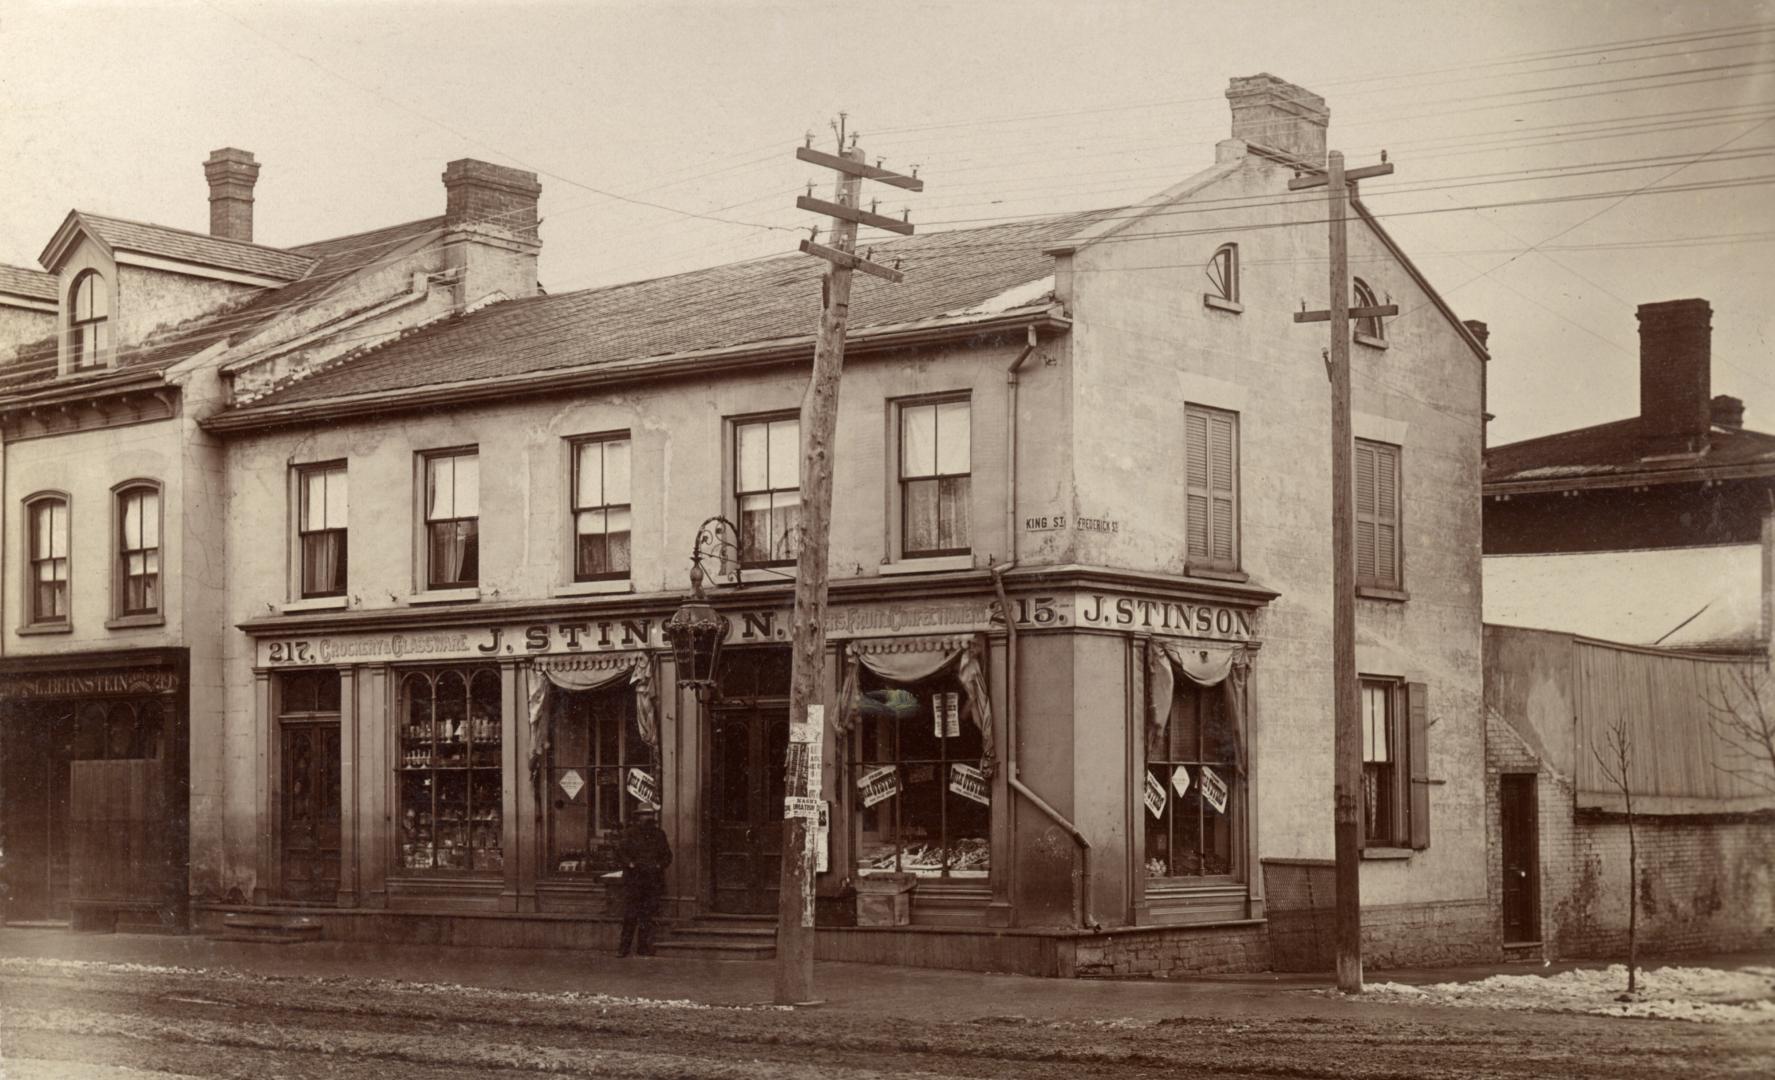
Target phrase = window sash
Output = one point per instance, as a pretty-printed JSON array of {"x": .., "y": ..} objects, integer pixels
[
  {"x": 1223, "y": 272},
  {"x": 453, "y": 553},
  {"x": 452, "y": 487},
  {"x": 49, "y": 561},
  {"x": 1384, "y": 757},
  {"x": 767, "y": 490},
  {"x": 326, "y": 499},
  {"x": 325, "y": 554}
]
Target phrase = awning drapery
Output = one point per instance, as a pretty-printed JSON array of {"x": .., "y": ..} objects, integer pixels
[
  {"x": 908, "y": 660},
  {"x": 590, "y": 673},
  {"x": 1225, "y": 666}
]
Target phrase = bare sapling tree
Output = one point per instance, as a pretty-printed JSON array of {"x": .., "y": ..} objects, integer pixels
[
  {"x": 1741, "y": 710},
  {"x": 1615, "y": 757}
]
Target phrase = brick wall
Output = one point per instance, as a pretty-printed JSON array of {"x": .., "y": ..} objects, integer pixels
[
  {"x": 1172, "y": 950},
  {"x": 1300, "y": 895}
]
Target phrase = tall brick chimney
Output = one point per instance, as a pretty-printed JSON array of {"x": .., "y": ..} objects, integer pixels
[
  {"x": 490, "y": 229},
  {"x": 1278, "y": 115},
  {"x": 232, "y": 174},
  {"x": 1675, "y": 368}
]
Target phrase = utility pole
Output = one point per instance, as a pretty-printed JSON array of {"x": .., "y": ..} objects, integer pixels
[
  {"x": 819, "y": 416},
  {"x": 1346, "y": 726}
]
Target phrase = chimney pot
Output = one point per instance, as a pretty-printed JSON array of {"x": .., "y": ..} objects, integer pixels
[
  {"x": 1675, "y": 368},
  {"x": 1277, "y": 115},
  {"x": 1728, "y": 412},
  {"x": 490, "y": 229},
  {"x": 232, "y": 174}
]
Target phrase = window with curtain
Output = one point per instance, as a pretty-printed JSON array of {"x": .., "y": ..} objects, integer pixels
[
  {"x": 596, "y": 741},
  {"x": 1378, "y": 556},
  {"x": 1191, "y": 791},
  {"x": 449, "y": 771},
  {"x": 138, "y": 550},
  {"x": 1223, "y": 276},
  {"x": 1383, "y": 782},
  {"x": 601, "y": 509},
  {"x": 767, "y": 489},
  {"x": 89, "y": 321},
  {"x": 924, "y": 806},
  {"x": 48, "y": 524},
  {"x": 1211, "y": 481},
  {"x": 321, "y": 526},
  {"x": 452, "y": 519},
  {"x": 1369, "y": 327},
  {"x": 935, "y": 481}
]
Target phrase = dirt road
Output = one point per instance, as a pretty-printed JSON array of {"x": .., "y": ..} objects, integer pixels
[{"x": 127, "y": 1022}]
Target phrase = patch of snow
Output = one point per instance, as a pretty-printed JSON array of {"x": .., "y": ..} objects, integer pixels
[
  {"x": 1015, "y": 297},
  {"x": 1698, "y": 995},
  {"x": 1549, "y": 472}
]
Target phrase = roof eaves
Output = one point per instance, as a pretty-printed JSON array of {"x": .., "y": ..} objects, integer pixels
[
  {"x": 1596, "y": 481},
  {"x": 63, "y": 239},
  {"x": 1423, "y": 282}
]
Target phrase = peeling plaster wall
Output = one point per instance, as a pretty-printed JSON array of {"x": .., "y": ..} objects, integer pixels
[
  {"x": 21, "y": 326},
  {"x": 150, "y": 300}
]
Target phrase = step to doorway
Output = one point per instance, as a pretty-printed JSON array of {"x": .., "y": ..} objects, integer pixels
[
  {"x": 1523, "y": 952},
  {"x": 271, "y": 929},
  {"x": 722, "y": 937}
]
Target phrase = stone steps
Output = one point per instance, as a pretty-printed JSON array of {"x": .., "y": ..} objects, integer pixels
[
  {"x": 273, "y": 929},
  {"x": 722, "y": 937}
]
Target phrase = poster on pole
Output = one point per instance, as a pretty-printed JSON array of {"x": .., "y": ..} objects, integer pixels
[
  {"x": 823, "y": 838},
  {"x": 644, "y": 788},
  {"x": 1155, "y": 796},
  {"x": 879, "y": 784},
  {"x": 1214, "y": 790},
  {"x": 1180, "y": 780},
  {"x": 969, "y": 783}
]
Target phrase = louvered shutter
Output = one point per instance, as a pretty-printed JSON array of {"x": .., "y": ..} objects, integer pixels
[
  {"x": 1365, "y": 523},
  {"x": 1211, "y": 480},
  {"x": 1386, "y": 514},
  {"x": 1417, "y": 707}
]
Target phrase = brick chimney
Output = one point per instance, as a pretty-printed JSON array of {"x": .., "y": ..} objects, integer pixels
[
  {"x": 490, "y": 229},
  {"x": 1278, "y": 115},
  {"x": 232, "y": 174},
  {"x": 1675, "y": 368},
  {"x": 1727, "y": 412}
]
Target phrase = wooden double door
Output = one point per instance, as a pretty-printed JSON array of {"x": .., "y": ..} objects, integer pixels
[{"x": 747, "y": 746}]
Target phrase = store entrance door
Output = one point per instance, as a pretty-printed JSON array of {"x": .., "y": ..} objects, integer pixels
[
  {"x": 748, "y": 745},
  {"x": 311, "y": 811},
  {"x": 34, "y": 773}
]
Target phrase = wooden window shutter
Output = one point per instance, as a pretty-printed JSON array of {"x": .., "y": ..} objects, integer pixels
[
  {"x": 1417, "y": 696},
  {"x": 1377, "y": 514},
  {"x": 1211, "y": 497},
  {"x": 1365, "y": 523}
]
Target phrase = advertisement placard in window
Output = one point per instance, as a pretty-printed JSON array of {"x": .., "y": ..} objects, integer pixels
[
  {"x": 644, "y": 787},
  {"x": 1180, "y": 780},
  {"x": 1214, "y": 789},
  {"x": 1155, "y": 796},
  {"x": 969, "y": 783},
  {"x": 879, "y": 784}
]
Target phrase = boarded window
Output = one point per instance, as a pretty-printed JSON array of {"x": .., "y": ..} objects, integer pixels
[
  {"x": 1211, "y": 478},
  {"x": 1378, "y": 557}
]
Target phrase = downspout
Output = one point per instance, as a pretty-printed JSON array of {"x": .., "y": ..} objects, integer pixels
[{"x": 1013, "y": 780}]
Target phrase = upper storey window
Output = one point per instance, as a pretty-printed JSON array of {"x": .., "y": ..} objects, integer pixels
[
  {"x": 1369, "y": 330},
  {"x": 453, "y": 519},
  {"x": 767, "y": 489},
  {"x": 48, "y": 518},
  {"x": 89, "y": 321},
  {"x": 1223, "y": 279}
]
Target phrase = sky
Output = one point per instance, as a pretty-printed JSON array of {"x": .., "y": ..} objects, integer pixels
[{"x": 1533, "y": 142}]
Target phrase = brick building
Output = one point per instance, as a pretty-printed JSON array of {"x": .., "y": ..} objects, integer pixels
[
  {"x": 1078, "y": 678},
  {"x": 1628, "y": 576}
]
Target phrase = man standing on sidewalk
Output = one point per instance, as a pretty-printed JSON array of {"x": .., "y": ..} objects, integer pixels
[{"x": 645, "y": 854}]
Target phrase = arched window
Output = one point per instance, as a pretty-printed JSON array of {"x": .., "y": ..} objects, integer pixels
[
  {"x": 1369, "y": 327},
  {"x": 89, "y": 321},
  {"x": 46, "y": 516},
  {"x": 138, "y": 549},
  {"x": 1223, "y": 277}
]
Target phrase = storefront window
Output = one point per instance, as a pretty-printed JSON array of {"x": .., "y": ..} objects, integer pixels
[
  {"x": 924, "y": 805},
  {"x": 117, "y": 731},
  {"x": 1191, "y": 789},
  {"x": 450, "y": 770},
  {"x": 597, "y": 760}
]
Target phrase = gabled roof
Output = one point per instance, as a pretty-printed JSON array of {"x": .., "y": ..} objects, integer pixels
[
  {"x": 328, "y": 262},
  {"x": 1621, "y": 453},
  {"x": 165, "y": 242},
  {"x": 948, "y": 276},
  {"x": 31, "y": 284},
  {"x": 1690, "y": 598}
]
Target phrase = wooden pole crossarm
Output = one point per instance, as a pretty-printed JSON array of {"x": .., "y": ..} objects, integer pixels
[
  {"x": 857, "y": 168},
  {"x": 1374, "y": 312},
  {"x": 846, "y": 213},
  {"x": 1317, "y": 179},
  {"x": 854, "y": 262}
]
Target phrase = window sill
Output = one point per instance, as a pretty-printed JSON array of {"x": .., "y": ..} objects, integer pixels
[
  {"x": 444, "y": 596},
  {"x": 125, "y": 622},
  {"x": 1222, "y": 303},
  {"x": 1376, "y": 592},
  {"x": 594, "y": 588},
  {"x": 1215, "y": 575},
  {"x": 1387, "y": 854},
  {"x": 928, "y": 565},
  {"x": 46, "y": 628},
  {"x": 316, "y": 603},
  {"x": 1371, "y": 342}
]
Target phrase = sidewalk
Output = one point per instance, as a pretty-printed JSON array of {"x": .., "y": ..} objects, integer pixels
[{"x": 905, "y": 992}]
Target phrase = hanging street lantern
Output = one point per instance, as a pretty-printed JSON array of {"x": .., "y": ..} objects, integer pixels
[{"x": 696, "y": 631}]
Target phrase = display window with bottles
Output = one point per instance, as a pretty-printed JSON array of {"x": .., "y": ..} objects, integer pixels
[
  {"x": 449, "y": 770},
  {"x": 922, "y": 761}
]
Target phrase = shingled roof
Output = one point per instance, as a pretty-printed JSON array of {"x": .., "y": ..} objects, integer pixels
[
  {"x": 1624, "y": 451},
  {"x": 32, "y": 284},
  {"x": 775, "y": 299},
  {"x": 169, "y": 243},
  {"x": 327, "y": 262}
]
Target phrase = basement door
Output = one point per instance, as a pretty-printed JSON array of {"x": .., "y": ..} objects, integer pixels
[{"x": 1521, "y": 857}]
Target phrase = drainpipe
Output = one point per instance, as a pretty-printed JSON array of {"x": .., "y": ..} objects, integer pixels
[{"x": 1012, "y": 778}]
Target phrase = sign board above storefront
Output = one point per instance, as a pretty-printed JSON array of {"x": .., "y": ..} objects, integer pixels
[{"x": 87, "y": 684}]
